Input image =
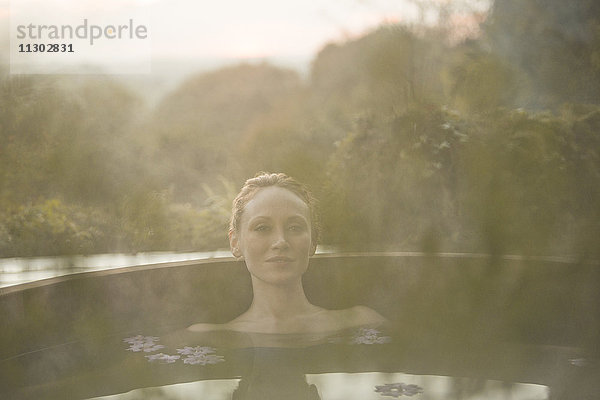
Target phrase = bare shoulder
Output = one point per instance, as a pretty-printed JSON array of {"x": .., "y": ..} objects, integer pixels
[
  {"x": 363, "y": 315},
  {"x": 360, "y": 315},
  {"x": 205, "y": 327},
  {"x": 240, "y": 324}
]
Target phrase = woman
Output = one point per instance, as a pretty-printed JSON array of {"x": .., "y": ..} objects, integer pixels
[{"x": 274, "y": 230}]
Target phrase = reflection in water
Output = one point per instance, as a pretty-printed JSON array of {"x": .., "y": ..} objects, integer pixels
[
  {"x": 176, "y": 367},
  {"x": 217, "y": 389},
  {"x": 377, "y": 386},
  {"x": 398, "y": 389},
  {"x": 284, "y": 372},
  {"x": 275, "y": 374},
  {"x": 359, "y": 386}
]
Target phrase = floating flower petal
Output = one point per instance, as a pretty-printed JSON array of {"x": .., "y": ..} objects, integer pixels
[
  {"x": 398, "y": 389},
  {"x": 146, "y": 344},
  {"x": 200, "y": 355},
  {"x": 163, "y": 358}
]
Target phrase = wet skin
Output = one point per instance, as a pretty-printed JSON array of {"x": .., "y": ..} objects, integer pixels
[{"x": 275, "y": 240}]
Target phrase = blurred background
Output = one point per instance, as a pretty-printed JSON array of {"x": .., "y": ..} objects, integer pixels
[{"x": 433, "y": 125}]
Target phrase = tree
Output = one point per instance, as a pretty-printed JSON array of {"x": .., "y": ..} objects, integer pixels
[
  {"x": 554, "y": 44},
  {"x": 196, "y": 132}
]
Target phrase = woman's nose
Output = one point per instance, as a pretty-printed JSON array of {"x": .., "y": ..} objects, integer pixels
[{"x": 280, "y": 241}]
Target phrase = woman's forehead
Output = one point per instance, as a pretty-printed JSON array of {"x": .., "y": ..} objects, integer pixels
[{"x": 272, "y": 201}]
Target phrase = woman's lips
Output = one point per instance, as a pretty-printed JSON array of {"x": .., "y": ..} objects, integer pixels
[{"x": 279, "y": 259}]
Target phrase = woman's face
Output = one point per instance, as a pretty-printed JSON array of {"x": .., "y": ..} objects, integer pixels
[{"x": 274, "y": 236}]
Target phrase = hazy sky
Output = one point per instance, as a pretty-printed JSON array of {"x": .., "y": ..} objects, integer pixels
[
  {"x": 233, "y": 28},
  {"x": 186, "y": 34},
  {"x": 263, "y": 28}
]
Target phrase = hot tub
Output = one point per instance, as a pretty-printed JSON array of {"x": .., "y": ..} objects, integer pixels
[{"x": 460, "y": 326}]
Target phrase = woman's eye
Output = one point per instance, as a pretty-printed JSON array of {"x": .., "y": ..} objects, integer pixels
[
  {"x": 295, "y": 228},
  {"x": 261, "y": 228}
]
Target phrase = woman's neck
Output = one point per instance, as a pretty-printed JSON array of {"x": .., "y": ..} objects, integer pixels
[{"x": 279, "y": 302}]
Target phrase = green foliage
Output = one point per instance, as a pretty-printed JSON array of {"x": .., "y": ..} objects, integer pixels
[
  {"x": 71, "y": 178},
  {"x": 401, "y": 196},
  {"x": 196, "y": 132},
  {"x": 507, "y": 183},
  {"x": 63, "y": 141},
  {"x": 388, "y": 68},
  {"x": 204, "y": 228},
  {"x": 50, "y": 228},
  {"x": 553, "y": 45},
  {"x": 478, "y": 81},
  {"x": 145, "y": 221}
]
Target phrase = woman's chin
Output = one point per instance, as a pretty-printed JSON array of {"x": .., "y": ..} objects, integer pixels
[{"x": 281, "y": 279}]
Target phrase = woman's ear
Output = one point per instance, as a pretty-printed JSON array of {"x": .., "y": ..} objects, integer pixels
[{"x": 234, "y": 243}]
